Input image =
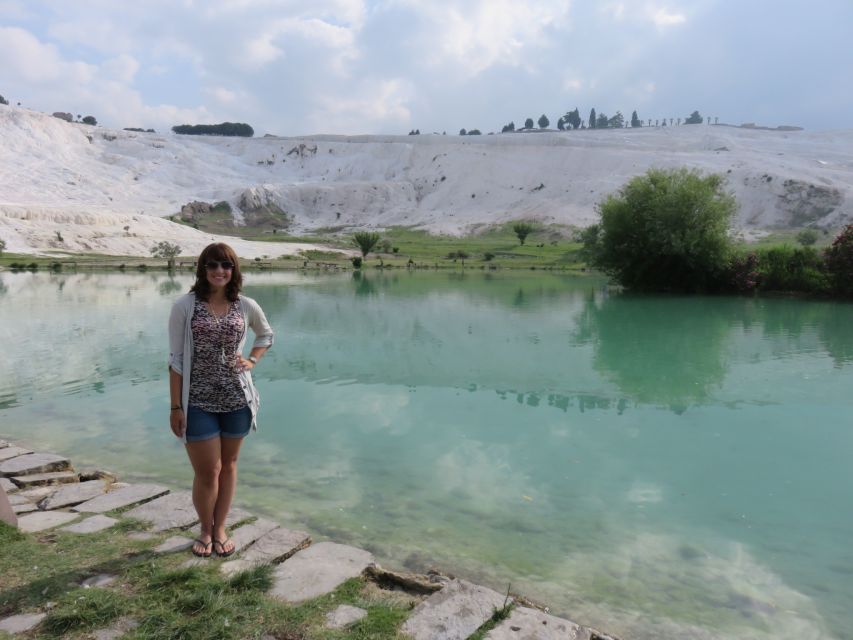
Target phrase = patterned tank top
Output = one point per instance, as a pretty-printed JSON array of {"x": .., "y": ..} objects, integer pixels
[{"x": 214, "y": 381}]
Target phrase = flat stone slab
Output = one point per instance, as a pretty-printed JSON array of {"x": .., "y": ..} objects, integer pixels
[
  {"x": 248, "y": 533},
  {"x": 33, "y": 463},
  {"x": 9, "y": 452},
  {"x": 174, "y": 544},
  {"x": 453, "y": 613},
  {"x": 18, "y": 499},
  {"x": 531, "y": 624},
  {"x": 317, "y": 570},
  {"x": 24, "y": 507},
  {"x": 276, "y": 546},
  {"x": 343, "y": 616},
  {"x": 100, "y": 580},
  {"x": 173, "y": 511},
  {"x": 39, "y": 492},
  {"x": 237, "y": 515},
  {"x": 39, "y": 479},
  {"x": 41, "y": 520},
  {"x": 72, "y": 494},
  {"x": 8, "y": 486},
  {"x": 91, "y": 525},
  {"x": 21, "y": 623},
  {"x": 124, "y": 497}
]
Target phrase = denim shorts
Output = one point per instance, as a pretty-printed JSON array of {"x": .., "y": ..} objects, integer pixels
[{"x": 203, "y": 425}]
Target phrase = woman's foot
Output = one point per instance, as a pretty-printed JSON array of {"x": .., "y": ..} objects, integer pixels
[
  {"x": 223, "y": 546},
  {"x": 203, "y": 546}
]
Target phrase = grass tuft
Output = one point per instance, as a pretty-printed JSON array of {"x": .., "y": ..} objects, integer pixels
[
  {"x": 85, "y": 609},
  {"x": 255, "y": 579}
]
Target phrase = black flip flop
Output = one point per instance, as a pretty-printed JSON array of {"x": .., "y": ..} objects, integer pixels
[
  {"x": 221, "y": 544},
  {"x": 205, "y": 553}
]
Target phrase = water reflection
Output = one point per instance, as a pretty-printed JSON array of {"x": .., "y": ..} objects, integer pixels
[
  {"x": 659, "y": 350},
  {"x": 508, "y": 425}
]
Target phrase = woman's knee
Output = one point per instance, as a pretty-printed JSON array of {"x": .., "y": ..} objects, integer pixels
[
  {"x": 209, "y": 474},
  {"x": 229, "y": 465}
]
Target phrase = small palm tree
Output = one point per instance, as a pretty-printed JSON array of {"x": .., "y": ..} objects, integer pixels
[
  {"x": 522, "y": 230},
  {"x": 365, "y": 241}
]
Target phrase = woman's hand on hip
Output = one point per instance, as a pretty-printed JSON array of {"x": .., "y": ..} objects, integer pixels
[
  {"x": 178, "y": 422},
  {"x": 243, "y": 364}
]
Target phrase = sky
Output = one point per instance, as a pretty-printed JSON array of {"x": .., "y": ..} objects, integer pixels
[{"x": 298, "y": 67}]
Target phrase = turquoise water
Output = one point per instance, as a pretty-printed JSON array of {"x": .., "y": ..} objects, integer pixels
[{"x": 658, "y": 467}]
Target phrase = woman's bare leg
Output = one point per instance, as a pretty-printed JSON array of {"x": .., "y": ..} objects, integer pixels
[
  {"x": 230, "y": 449},
  {"x": 206, "y": 458}
]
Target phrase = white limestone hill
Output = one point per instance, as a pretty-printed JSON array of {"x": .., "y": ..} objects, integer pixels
[{"x": 109, "y": 191}]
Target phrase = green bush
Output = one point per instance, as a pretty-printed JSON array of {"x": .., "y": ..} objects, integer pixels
[
  {"x": 223, "y": 129},
  {"x": 356, "y": 262},
  {"x": 789, "y": 268},
  {"x": 839, "y": 262},
  {"x": 807, "y": 237},
  {"x": 665, "y": 230}
]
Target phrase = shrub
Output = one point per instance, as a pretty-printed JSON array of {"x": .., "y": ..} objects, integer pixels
[
  {"x": 522, "y": 230},
  {"x": 90, "y": 120},
  {"x": 356, "y": 262},
  {"x": 839, "y": 262},
  {"x": 365, "y": 241},
  {"x": 665, "y": 230},
  {"x": 743, "y": 273},
  {"x": 488, "y": 256},
  {"x": 167, "y": 250},
  {"x": 807, "y": 237},
  {"x": 788, "y": 268},
  {"x": 223, "y": 129},
  {"x": 3, "y": 100},
  {"x": 2, "y": 246}
]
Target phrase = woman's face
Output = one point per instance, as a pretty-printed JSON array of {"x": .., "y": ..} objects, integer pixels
[{"x": 219, "y": 273}]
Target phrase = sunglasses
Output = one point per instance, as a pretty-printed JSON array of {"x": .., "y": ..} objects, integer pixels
[{"x": 213, "y": 265}]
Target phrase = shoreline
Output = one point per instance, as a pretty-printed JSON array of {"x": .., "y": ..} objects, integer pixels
[{"x": 42, "y": 486}]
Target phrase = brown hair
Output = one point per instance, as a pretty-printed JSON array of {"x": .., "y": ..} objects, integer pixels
[{"x": 217, "y": 251}]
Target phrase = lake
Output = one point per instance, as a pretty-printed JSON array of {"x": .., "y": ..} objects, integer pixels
[{"x": 654, "y": 466}]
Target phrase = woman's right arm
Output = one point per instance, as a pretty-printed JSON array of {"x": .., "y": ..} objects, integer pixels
[
  {"x": 177, "y": 418},
  {"x": 177, "y": 328}
]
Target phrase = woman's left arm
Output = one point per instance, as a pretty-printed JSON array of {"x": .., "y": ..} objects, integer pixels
[{"x": 264, "y": 336}]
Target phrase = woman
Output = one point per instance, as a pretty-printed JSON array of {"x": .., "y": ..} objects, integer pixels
[{"x": 214, "y": 403}]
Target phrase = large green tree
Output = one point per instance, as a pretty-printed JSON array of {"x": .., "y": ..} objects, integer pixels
[
  {"x": 635, "y": 121},
  {"x": 365, "y": 241},
  {"x": 617, "y": 121},
  {"x": 573, "y": 118},
  {"x": 543, "y": 121},
  {"x": 693, "y": 118},
  {"x": 592, "y": 119},
  {"x": 665, "y": 230}
]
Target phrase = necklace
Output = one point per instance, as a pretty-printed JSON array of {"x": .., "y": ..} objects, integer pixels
[{"x": 220, "y": 326}]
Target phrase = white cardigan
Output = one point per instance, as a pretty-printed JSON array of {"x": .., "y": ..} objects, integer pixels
[{"x": 181, "y": 346}]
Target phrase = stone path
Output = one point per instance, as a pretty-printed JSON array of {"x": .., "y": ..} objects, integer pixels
[
  {"x": 453, "y": 613},
  {"x": 317, "y": 570},
  {"x": 531, "y": 624},
  {"x": 46, "y": 491}
]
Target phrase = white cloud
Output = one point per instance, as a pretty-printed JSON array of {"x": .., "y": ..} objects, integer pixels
[
  {"x": 663, "y": 17},
  {"x": 222, "y": 95},
  {"x": 475, "y": 35},
  {"x": 27, "y": 59},
  {"x": 379, "y": 104},
  {"x": 259, "y": 50},
  {"x": 52, "y": 83},
  {"x": 122, "y": 68}
]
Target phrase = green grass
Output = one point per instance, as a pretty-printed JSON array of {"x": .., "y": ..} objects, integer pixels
[
  {"x": 548, "y": 247},
  {"x": 167, "y": 601}
]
